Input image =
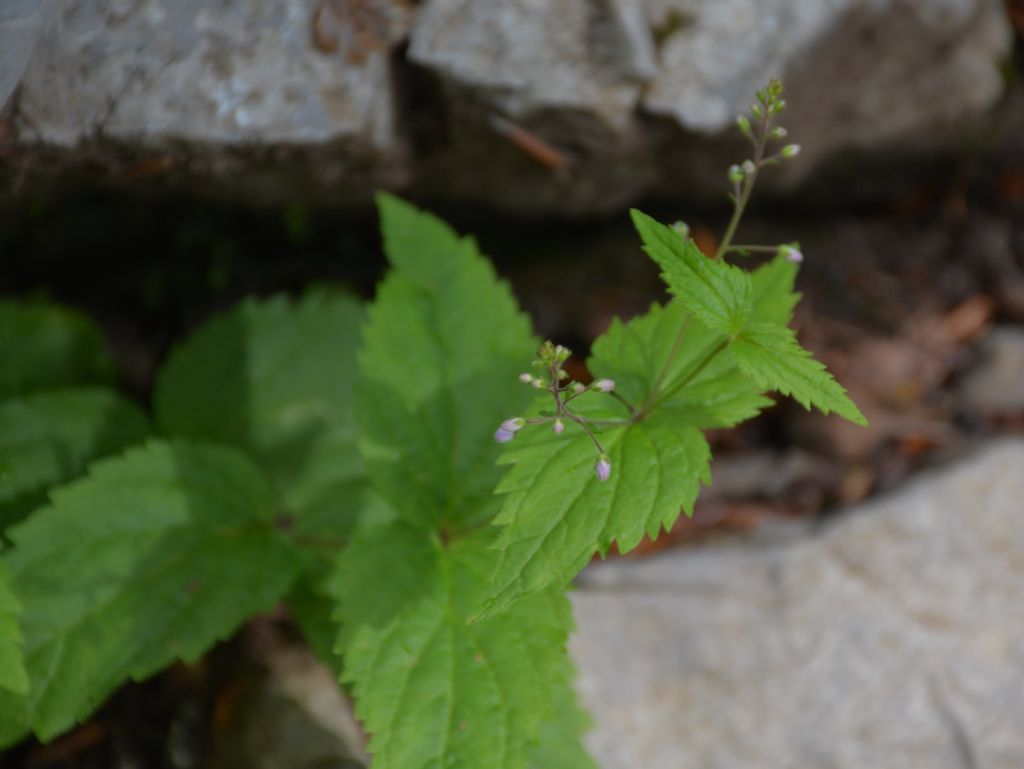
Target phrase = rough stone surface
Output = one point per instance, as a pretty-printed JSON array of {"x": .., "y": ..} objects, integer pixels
[
  {"x": 319, "y": 100},
  {"x": 894, "y": 637},
  {"x": 996, "y": 386}
]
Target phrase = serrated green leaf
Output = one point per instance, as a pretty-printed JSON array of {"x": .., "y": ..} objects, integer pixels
[
  {"x": 44, "y": 346},
  {"x": 441, "y": 353},
  {"x": 13, "y": 676},
  {"x": 556, "y": 514},
  {"x": 432, "y": 690},
  {"x": 152, "y": 557},
  {"x": 773, "y": 359},
  {"x": 773, "y": 296},
  {"x": 275, "y": 378},
  {"x": 638, "y": 356},
  {"x": 561, "y": 745},
  {"x": 717, "y": 293},
  {"x": 49, "y": 437}
]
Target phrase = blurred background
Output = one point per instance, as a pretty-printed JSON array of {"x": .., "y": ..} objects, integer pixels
[{"x": 161, "y": 159}]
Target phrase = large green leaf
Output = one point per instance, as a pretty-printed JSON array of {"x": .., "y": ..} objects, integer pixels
[
  {"x": 47, "y": 439},
  {"x": 432, "y": 690},
  {"x": 717, "y": 293},
  {"x": 773, "y": 359},
  {"x": 152, "y": 557},
  {"x": 556, "y": 515},
  {"x": 275, "y": 378},
  {"x": 442, "y": 349},
  {"x": 561, "y": 745},
  {"x": 44, "y": 346},
  {"x": 637, "y": 356},
  {"x": 12, "y": 665}
]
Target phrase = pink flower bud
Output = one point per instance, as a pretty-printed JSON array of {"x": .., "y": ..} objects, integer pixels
[
  {"x": 603, "y": 468},
  {"x": 558, "y": 426},
  {"x": 503, "y": 436},
  {"x": 604, "y": 385},
  {"x": 792, "y": 254},
  {"x": 578, "y": 388},
  {"x": 513, "y": 425}
]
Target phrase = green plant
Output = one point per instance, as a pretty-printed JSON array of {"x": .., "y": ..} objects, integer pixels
[{"x": 342, "y": 460}]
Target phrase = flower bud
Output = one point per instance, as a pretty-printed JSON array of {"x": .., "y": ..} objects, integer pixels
[
  {"x": 513, "y": 425},
  {"x": 735, "y": 174},
  {"x": 603, "y": 468},
  {"x": 743, "y": 123},
  {"x": 749, "y": 167},
  {"x": 682, "y": 229},
  {"x": 557, "y": 427},
  {"x": 779, "y": 132},
  {"x": 526, "y": 378},
  {"x": 791, "y": 253},
  {"x": 503, "y": 436},
  {"x": 790, "y": 151},
  {"x": 578, "y": 388},
  {"x": 603, "y": 385},
  {"x": 537, "y": 383}
]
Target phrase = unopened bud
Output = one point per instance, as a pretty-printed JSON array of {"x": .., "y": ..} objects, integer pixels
[
  {"x": 562, "y": 374},
  {"x": 682, "y": 229},
  {"x": 778, "y": 105},
  {"x": 791, "y": 253},
  {"x": 736, "y": 174},
  {"x": 526, "y": 378},
  {"x": 743, "y": 123},
  {"x": 503, "y": 436},
  {"x": 790, "y": 151},
  {"x": 602, "y": 468},
  {"x": 513, "y": 425},
  {"x": 537, "y": 383},
  {"x": 756, "y": 110},
  {"x": 557, "y": 427},
  {"x": 604, "y": 385},
  {"x": 578, "y": 388},
  {"x": 779, "y": 132}
]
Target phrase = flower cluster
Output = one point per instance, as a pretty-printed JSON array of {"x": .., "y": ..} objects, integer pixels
[{"x": 553, "y": 377}]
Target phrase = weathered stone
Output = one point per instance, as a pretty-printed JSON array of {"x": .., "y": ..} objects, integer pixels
[
  {"x": 892, "y": 638},
  {"x": 219, "y": 85},
  {"x": 859, "y": 72},
  {"x": 996, "y": 386},
  {"x": 565, "y": 105}
]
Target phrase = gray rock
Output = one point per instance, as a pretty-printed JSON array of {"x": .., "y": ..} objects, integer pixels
[
  {"x": 274, "y": 100},
  {"x": 892, "y": 638},
  {"x": 860, "y": 72},
  {"x": 996, "y": 386},
  {"x": 218, "y": 84}
]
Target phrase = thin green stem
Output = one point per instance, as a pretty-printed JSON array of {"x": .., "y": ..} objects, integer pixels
[
  {"x": 580, "y": 421},
  {"x": 754, "y": 249},
  {"x": 747, "y": 188}
]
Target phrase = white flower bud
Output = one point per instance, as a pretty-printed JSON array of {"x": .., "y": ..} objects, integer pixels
[
  {"x": 604, "y": 385},
  {"x": 557, "y": 427},
  {"x": 779, "y": 132},
  {"x": 736, "y": 174},
  {"x": 790, "y": 151},
  {"x": 749, "y": 167},
  {"x": 537, "y": 383},
  {"x": 578, "y": 388},
  {"x": 526, "y": 378}
]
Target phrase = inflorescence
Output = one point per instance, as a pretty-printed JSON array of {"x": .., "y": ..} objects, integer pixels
[{"x": 556, "y": 380}]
